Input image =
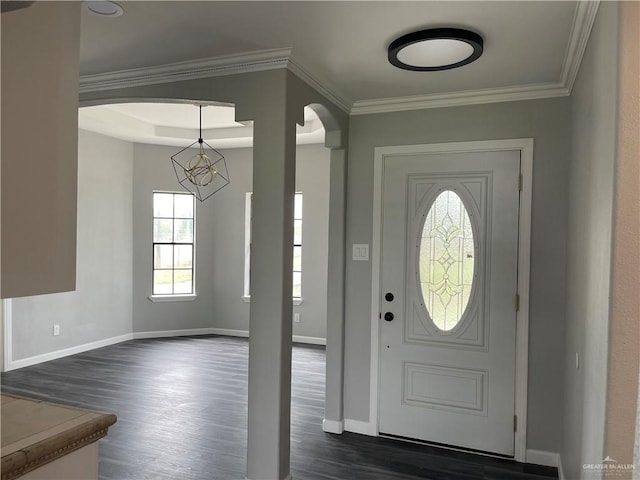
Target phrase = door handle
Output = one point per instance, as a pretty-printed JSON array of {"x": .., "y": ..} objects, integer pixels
[
  {"x": 388, "y": 297},
  {"x": 388, "y": 316}
]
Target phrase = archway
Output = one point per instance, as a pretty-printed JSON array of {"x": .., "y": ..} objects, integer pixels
[{"x": 274, "y": 100}]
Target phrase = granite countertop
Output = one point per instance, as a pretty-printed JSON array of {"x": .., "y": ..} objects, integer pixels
[{"x": 35, "y": 433}]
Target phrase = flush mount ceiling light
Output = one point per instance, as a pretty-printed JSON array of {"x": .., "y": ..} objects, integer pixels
[
  {"x": 435, "y": 49},
  {"x": 204, "y": 173},
  {"x": 104, "y": 8}
]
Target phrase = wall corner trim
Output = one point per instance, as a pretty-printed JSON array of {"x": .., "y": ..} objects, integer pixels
[{"x": 333, "y": 426}]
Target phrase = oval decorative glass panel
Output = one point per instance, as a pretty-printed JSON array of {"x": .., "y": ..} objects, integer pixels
[{"x": 447, "y": 260}]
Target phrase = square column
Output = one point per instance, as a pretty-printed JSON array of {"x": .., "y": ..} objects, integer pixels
[
  {"x": 334, "y": 377},
  {"x": 274, "y": 150}
]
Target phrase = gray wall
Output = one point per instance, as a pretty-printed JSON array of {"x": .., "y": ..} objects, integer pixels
[
  {"x": 548, "y": 122},
  {"x": 593, "y": 116},
  {"x": 100, "y": 308},
  {"x": 220, "y": 244},
  {"x": 152, "y": 170}
]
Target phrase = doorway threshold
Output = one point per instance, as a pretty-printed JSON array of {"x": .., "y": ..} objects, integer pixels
[{"x": 446, "y": 447}]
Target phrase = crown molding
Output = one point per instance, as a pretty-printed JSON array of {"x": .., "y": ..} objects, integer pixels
[
  {"x": 454, "y": 99},
  {"x": 320, "y": 85},
  {"x": 213, "y": 67},
  {"x": 583, "y": 20},
  {"x": 189, "y": 70}
]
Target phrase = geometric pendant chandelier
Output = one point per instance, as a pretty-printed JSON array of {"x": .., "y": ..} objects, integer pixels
[{"x": 204, "y": 173}]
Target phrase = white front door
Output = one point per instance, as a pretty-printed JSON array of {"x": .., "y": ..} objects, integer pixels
[{"x": 448, "y": 298}]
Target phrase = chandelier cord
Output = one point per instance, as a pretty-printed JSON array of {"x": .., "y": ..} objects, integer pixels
[{"x": 200, "y": 136}]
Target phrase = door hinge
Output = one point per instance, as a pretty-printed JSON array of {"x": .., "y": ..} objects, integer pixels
[
  {"x": 515, "y": 423},
  {"x": 520, "y": 182},
  {"x": 517, "y": 302}
]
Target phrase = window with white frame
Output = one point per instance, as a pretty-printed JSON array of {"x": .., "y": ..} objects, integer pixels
[
  {"x": 297, "y": 248},
  {"x": 173, "y": 243}
]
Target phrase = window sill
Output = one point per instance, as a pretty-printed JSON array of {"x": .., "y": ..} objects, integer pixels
[
  {"x": 247, "y": 299},
  {"x": 172, "y": 298}
]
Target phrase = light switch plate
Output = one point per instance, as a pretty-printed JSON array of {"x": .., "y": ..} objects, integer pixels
[{"x": 361, "y": 252}]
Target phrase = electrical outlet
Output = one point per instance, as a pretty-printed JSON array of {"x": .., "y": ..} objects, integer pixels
[
  {"x": 296, "y": 318},
  {"x": 56, "y": 330}
]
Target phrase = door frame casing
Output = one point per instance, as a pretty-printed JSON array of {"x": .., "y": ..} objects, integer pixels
[{"x": 525, "y": 146}]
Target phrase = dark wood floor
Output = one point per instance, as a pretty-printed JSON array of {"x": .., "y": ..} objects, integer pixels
[{"x": 182, "y": 415}]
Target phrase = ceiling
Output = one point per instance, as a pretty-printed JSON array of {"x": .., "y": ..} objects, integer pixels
[
  {"x": 532, "y": 49},
  {"x": 177, "y": 124}
]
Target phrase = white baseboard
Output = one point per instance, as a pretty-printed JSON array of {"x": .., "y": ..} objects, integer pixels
[
  {"x": 230, "y": 332},
  {"x": 356, "y": 426},
  {"x": 309, "y": 340},
  {"x": 45, "y": 357},
  {"x": 220, "y": 331},
  {"x": 541, "y": 457},
  {"x": 288, "y": 477},
  {"x": 27, "y": 362},
  {"x": 183, "y": 333},
  {"x": 332, "y": 426}
]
